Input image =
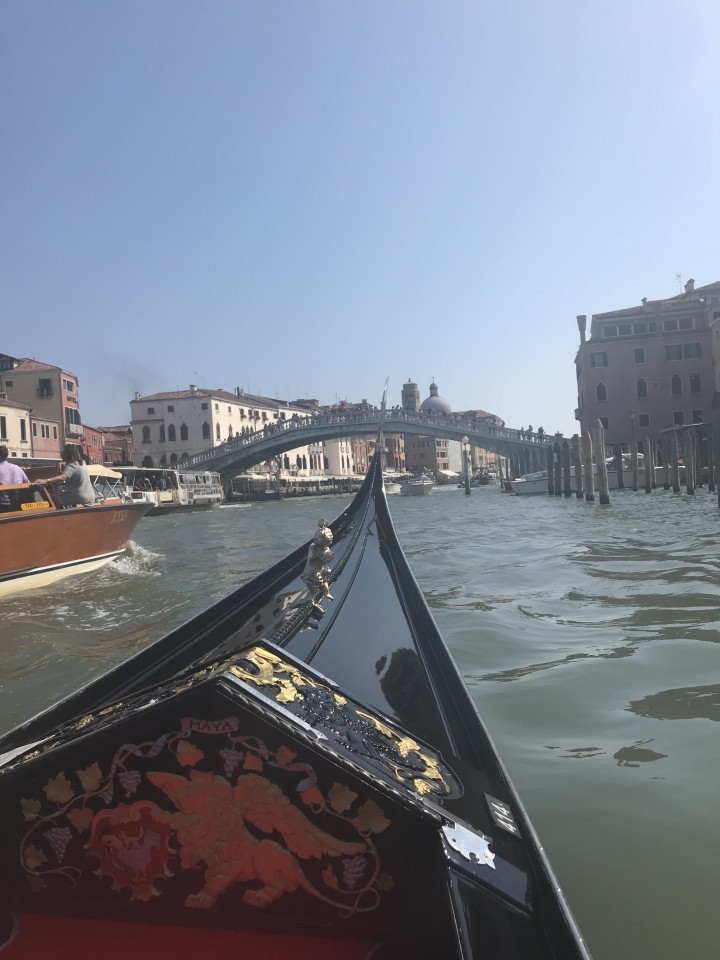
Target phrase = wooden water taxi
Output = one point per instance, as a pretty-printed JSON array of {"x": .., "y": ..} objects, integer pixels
[{"x": 43, "y": 542}]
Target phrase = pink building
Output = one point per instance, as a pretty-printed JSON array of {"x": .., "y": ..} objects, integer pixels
[{"x": 650, "y": 367}]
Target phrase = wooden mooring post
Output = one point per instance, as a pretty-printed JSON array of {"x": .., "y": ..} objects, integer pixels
[
  {"x": 549, "y": 467},
  {"x": 588, "y": 468},
  {"x": 566, "y": 468},
  {"x": 634, "y": 465},
  {"x": 665, "y": 450},
  {"x": 558, "y": 469},
  {"x": 649, "y": 466},
  {"x": 577, "y": 463},
  {"x": 674, "y": 457},
  {"x": 617, "y": 453},
  {"x": 711, "y": 460},
  {"x": 603, "y": 485},
  {"x": 689, "y": 459}
]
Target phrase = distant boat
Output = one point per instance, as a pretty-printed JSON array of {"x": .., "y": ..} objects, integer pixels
[
  {"x": 43, "y": 542},
  {"x": 168, "y": 490},
  {"x": 537, "y": 483},
  {"x": 417, "y": 487}
]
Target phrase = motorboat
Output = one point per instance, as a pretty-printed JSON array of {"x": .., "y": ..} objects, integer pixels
[
  {"x": 298, "y": 771},
  {"x": 169, "y": 490},
  {"x": 417, "y": 486},
  {"x": 43, "y": 542}
]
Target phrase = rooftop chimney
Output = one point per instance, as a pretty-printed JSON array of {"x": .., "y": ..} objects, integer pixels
[
  {"x": 137, "y": 394},
  {"x": 582, "y": 324},
  {"x": 193, "y": 388},
  {"x": 690, "y": 286}
]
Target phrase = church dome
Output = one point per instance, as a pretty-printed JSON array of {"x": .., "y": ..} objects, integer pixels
[{"x": 435, "y": 403}]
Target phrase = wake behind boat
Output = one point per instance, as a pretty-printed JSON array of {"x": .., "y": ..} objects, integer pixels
[{"x": 298, "y": 771}]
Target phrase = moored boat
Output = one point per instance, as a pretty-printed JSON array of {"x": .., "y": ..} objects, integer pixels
[
  {"x": 42, "y": 542},
  {"x": 298, "y": 771}
]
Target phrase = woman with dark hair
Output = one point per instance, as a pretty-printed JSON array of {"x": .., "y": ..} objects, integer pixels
[{"x": 77, "y": 487}]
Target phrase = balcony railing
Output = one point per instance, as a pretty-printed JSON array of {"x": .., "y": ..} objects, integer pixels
[{"x": 74, "y": 429}]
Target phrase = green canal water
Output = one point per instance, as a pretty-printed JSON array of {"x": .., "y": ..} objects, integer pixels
[{"x": 589, "y": 638}]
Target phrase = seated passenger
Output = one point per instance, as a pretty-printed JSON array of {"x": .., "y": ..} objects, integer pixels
[
  {"x": 9, "y": 473},
  {"x": 77, "y": 487}
]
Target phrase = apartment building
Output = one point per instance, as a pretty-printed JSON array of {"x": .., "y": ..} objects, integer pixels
[
  {"x": 171, "y": 426},
  {"x": 650, "y": 367},
  {"x": 50, "y": 392}
]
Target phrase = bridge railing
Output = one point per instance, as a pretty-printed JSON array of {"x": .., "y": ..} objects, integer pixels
[{"x": 394, "y": 421}]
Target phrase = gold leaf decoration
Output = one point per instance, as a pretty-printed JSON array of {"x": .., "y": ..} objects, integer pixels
[
  {"x": 329, "y": 878},
  {"x": 90, "y": 778},
  {"x": 284, "y": 755},
  {"x": 370, "y": 818},
  {"x": 80, "y": 819},
  {"x": 385, "y": 882},
  {"x": 30, "y": 809},
  {"x": 341, "y": 798},
  {"x": 187, "y": 754},
  {"x": 33, "y": 857},
  {"x": 58, "y": 790}
]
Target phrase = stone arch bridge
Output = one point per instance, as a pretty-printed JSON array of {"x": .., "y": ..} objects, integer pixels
[{"x": 526, "y": 452}]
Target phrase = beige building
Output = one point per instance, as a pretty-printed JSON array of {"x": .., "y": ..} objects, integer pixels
[
  {"x": 170, "y": 427},
  {"x": 650, "y": 367},
  {"x": 15, "y": 429}
]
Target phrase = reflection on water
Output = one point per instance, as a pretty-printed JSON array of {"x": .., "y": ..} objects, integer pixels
[
  {"x": 685, "y": 703},
  {"x": 605, "y": 619}
]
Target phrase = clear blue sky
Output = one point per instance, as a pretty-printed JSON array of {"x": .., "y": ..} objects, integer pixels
[{"x": 303, "y": 198}]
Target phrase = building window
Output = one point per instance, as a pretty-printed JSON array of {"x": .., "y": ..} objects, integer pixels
[
  {"x": 697, "y": 416},
  {"x": 624, "y": 330},
  {"x": 203, "y": 406},
  {"x": 609, "y": 331},
  {"x": 641, "y": 389},
  {"x": 598, "y": 359},
  {"x": 173, "y": 457},
  {"x": 676, "y": 386},
  {"x": 639, "y": 355},
  {"x": 678, "y": 418},
  {"x": 673, "y": 352},
  {"x": 171, "y": 433},
  {"x": 55, "y": 436},
  {"x": 146, "y": 435},
  {"x": 217, "y": 407},
  {"x": 644, "y": 420},
  {"x": 171, "y": 408},
  {"x": 206, "y": 430},
  {"x": 694, "y": 383},
  {"x": 3, "y": 428},
  {"x": 605, "y": 422},
  {"x": 44, "y": 388},
  {"x": 692, "y": 351},
  {"x": 8, "y": 383},
  {"x": 163, "y": 460},
  {"x": 686, "y": 323},
  {"x": 670, "y": 325},
  {"x": 23, "y": 431},
  {"x": 183, "y": 431},
  {"x": 34, "y": 428},
  {"x": 652, "y": 326},
  {"x": 151, "y": 410},
  {"x": 639, "y": 328},
  {"x": 601, "y": 393},
  {"x": 162, "y": 433},
  {"x": 217, "y": 431}
]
